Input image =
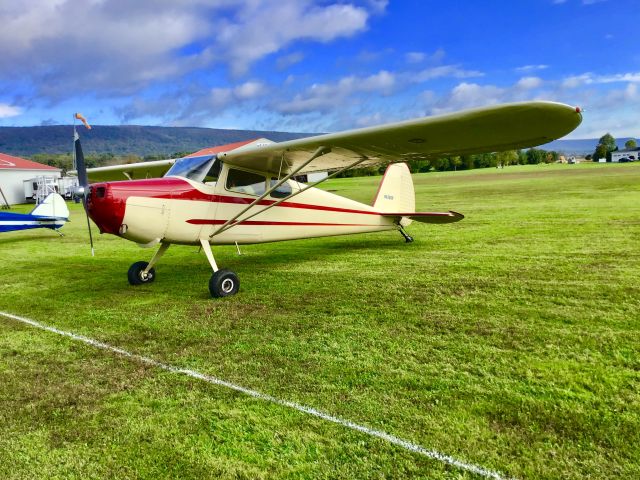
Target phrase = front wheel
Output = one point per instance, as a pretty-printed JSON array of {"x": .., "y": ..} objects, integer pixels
[
  {"x": 224, "y": 283},
  {"x": 137, "y": 276}
]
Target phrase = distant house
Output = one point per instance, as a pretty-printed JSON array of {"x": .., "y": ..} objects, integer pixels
[
  {"x": 629, "y": 155},
  {"x": 15, "y": 171}
]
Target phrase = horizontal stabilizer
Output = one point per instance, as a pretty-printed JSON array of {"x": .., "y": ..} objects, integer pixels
[{"x": 428, "y": 217}]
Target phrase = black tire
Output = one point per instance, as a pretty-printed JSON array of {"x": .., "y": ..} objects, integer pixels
[
  {"x": 135, "y": 274},
  {"x": 224, "y": 283}
]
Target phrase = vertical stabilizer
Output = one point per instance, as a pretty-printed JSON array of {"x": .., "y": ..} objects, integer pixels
[
  {"x": 53, "y": 206},
  {"x": 395, "y": 193}
]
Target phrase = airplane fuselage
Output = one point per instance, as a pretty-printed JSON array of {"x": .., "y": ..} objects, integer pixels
[{"x": 181, "y": 211}]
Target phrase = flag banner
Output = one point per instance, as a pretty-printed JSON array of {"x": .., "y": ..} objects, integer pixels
[{"x": 80, "y": 117}]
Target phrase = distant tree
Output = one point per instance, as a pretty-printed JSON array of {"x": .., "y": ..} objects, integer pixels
[
  {"x": 608, "y": 141},
  {"x": 535, "y": 156},
  {"x": 522, "y": 157},
  {"x": 483, "y": 160},
  {"x": 630, "y": 144},
  {"x": 418, "y": 166},
  {"x": 551, "y": 157},
  {"x": 508, "y": 157},
  {"x": 588, "y": 157},
  {"x": 606, "y": 145},
  {"x": 468, "y": 162},
  {"x": 601, "y": 152}
]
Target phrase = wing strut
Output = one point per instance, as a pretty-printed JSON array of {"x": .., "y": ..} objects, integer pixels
[
  {"x": 275, "y": 204},
  {"x": 318, "y": 153}
]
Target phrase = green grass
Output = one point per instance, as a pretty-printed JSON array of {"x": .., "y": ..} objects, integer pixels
[{"x": 509, "y": 340}]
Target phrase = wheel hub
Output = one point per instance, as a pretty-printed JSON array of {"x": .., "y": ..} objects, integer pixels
[{"x": 227, "y": 285}]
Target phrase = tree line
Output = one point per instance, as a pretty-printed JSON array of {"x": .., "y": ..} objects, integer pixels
[{"x": 531, "y": 156}]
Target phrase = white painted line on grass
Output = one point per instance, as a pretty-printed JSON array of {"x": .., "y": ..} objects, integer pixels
[{"x": 412, "y": 447}]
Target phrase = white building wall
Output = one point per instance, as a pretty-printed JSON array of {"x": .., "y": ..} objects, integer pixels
[
  {"x": 316, "y": 176},
  {"x": 12, "y": 182},
  {"x": 616, "y": 156}
]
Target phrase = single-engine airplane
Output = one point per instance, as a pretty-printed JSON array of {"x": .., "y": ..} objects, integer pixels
[
  {"x": 52, "y": 213},
  {"x": 244, "y": 194}
]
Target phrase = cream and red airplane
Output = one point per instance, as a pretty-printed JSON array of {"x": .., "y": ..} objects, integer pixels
[{"x": 245, "y": 193}]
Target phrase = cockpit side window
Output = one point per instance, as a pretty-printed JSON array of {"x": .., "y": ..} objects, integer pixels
[
  {"x": 214, "y": 172},
  {"x": 246, "y": 182},
  {"x": 282, "y": 191}
]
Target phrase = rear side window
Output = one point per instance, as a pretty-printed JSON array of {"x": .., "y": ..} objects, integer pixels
[
  {"x": 282, "y": 191},
  {"x": 245, "y": 182}
]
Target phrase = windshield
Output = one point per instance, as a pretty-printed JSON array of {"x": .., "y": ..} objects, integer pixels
[{"x": 193, "y": 168}]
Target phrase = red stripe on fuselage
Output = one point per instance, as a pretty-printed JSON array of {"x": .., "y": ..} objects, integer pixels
[
  {"x": 174, "y": 188},
  {"x": 205, "y": 221}
]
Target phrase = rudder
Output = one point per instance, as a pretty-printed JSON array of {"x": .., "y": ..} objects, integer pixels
[
  {"x": 52, "y": 206},
  {"x": 396, "y": 193}
]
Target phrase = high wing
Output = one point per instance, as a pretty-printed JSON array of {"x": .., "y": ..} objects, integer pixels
[
  {"x": 157, "y": 168},
  {"x": 487, "y": 129},
  {"x": 131, "y": 171}
]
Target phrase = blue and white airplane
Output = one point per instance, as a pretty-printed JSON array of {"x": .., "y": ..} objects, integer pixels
[{"x": 52, "y": 213}]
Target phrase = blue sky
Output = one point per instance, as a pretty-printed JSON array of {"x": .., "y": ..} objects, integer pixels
[{"x": 314, "y": 65}]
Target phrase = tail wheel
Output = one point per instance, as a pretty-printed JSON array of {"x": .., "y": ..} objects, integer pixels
[
  {"x": 137, "y": 276},
  {"x": 224, "y": 283}
]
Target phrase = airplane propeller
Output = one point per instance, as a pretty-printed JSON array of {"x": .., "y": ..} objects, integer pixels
[{"x": 83, "y": 181}]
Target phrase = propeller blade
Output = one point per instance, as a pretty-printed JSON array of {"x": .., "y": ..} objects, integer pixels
[
  {"x": 86, "y": 211},
  {"x": 81, "y": 168},
  {"x": 83, "y": 181}
]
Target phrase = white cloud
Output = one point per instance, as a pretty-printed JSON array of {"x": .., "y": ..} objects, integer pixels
[
  {"x": 286, "y": 61},
  {"x": 591, "y": 79},
  {"x": 415, "y": 57},
  {"x": 7, "y": 110},
  {"x": 220, "y": 98},
  {"x": 325, "y": 97},
  {"x": 528, "y": 83},
  {"x": 531, "y": 68},
  {"x": 116, "y": 47},
  {"x": 454, "y": 71},
  {"x": 249, "y": 90},
  {"x": 469, "y": 95},
  {"x": 250, "y": 36}
]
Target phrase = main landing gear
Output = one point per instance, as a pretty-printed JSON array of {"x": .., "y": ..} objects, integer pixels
[
  {"x": 407, "y": 238},
  {"x": 222, "y": 284},
  {"x": 143, "y": 272}
]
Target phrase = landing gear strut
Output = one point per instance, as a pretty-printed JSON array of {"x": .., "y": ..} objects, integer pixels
[
  {"x": 407, "y": 238},
  {"x": 223, "y": 283}
]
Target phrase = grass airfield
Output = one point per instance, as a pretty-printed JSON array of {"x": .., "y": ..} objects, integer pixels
[{"x": 509, "y": 340}]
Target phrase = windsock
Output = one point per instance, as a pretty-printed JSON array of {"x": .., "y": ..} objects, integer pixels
[{"x": 82, "y": 119}]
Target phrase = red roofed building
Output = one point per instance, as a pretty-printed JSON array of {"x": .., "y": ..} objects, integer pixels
[{"x": 14, "y": 171}]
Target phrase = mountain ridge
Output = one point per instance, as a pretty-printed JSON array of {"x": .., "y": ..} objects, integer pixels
[
  {"x": 126, "y": 139},
  {"x": 154, "y": 140}
]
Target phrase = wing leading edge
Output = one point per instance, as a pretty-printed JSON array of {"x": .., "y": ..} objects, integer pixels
[{"x": 480, "y": 130}]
